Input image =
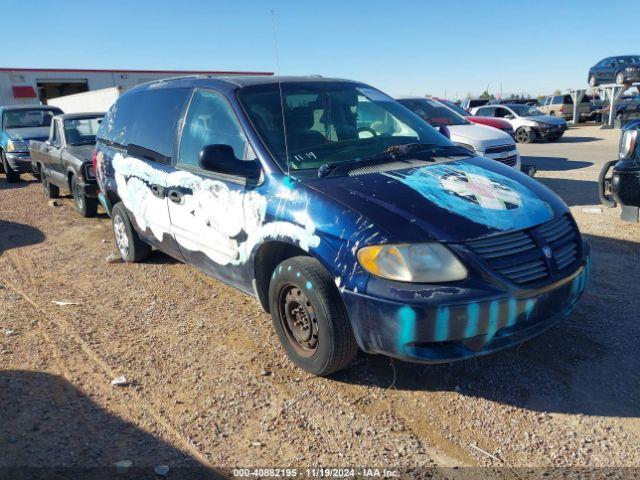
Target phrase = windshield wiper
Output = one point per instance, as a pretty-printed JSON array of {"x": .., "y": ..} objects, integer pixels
[{"x": 393, "y": 152}]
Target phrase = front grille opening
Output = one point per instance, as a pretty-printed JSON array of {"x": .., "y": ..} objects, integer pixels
[{"x": 519, "y": 256}]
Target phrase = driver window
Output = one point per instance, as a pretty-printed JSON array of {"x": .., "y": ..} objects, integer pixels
[
  {"x": 210, "y": 121},
  {"x": 57, "y": 141},
  {"x": 502, "y": 112}
]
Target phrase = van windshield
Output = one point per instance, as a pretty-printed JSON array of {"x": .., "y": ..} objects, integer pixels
[{"x": 328, "y": 123}]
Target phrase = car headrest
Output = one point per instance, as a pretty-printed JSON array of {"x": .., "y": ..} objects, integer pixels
[{"x": 300, "y": 118}]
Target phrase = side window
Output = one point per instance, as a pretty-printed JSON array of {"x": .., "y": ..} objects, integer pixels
[
  {"x": 57, "y": 141},
  {"x": 155, "y": 124},
  {"x": 502, "y": 112},
  {"x": 485, "y": 112},
  {"x": 210, "y": 121},
  {"x": 116, "y": 125}
]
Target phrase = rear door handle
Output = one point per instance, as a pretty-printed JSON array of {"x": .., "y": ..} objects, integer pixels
[
  {"x": 175, "y": 196},
  {"x": 157, "y": 190}
]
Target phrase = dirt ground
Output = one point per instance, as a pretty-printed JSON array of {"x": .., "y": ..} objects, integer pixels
[{"x": 209, "y": 384}]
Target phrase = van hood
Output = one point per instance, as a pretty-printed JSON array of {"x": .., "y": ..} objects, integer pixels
[
  {"x": 452, "y": 201},
  {"x": 28, "y": 133}
]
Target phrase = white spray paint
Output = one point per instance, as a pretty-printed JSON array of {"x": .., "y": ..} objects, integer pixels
[{"x": 210, "y": 217}]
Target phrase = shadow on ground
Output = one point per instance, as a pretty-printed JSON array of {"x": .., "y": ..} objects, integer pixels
[
  {"x": 25, "y": 181},
  {"x": 50, "y": 429},
  {"x": 16, "y": 235},
  {"x": 566, "y": 139},
  {"x": 587, "y": 364},
  {"x": 575, "y": 193},
  {"x": 554, "y": 164}
]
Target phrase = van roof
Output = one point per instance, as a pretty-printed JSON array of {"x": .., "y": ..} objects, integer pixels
[{"x": 234, "y": 81}]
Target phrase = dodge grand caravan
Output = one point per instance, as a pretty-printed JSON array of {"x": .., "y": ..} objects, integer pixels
[{"x": 353, "y": 221}]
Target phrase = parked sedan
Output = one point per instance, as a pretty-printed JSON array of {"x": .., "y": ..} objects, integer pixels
[
  {"x": 621, "y": 70},
  {"x": 498, "y": 123},
  {"x": 479, "y": 139},
  {"x": 528, "y": 122}
]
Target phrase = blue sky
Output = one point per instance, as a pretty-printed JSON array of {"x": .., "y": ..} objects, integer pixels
[{"x": 402, "y": 47}]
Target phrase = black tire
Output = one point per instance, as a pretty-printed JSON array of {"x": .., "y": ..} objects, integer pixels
[
  {"x": 85, "y": 206},
  {"x": 301, "y": 287},
  {"x": 134, "y": 250},
  {"x": 50, "y": 190},
  {"x": 11, "y": 175},
  {"x": 524, "y": 136}
]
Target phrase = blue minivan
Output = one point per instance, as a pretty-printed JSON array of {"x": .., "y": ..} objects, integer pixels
[{"x": 354, "y": 222}]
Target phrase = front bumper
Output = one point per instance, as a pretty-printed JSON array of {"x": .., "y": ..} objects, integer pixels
[
  {"x": 20, "y": 162},
  {"x": 433, "y": 331},
  {"x": 550, "y": 131}
]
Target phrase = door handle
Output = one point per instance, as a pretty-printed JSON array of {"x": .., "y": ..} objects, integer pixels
[
  {"x": 175, "y": 196},
  {"x": 157, "y": 190}
]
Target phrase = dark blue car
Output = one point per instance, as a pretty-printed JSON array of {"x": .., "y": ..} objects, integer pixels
[
  {"x": 354, "y": 222},
  {"x": 623, "y": 69}
]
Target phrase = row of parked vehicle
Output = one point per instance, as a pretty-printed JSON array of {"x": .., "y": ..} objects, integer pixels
[{"x": 353, "y": 221}]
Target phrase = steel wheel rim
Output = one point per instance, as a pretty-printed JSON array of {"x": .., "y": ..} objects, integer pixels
[
  {"x": 122, "y": 240},
  {"x": 298, "y": 320}
]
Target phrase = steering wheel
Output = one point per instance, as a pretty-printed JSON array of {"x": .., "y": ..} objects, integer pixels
[{"x": 367, "y": 129}]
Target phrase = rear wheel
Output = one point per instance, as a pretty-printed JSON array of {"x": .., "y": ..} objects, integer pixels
[
  {"x": 86, "y": 206},
  {"x": 11, "y": 175},
  {"x": 524, "y": 136},
  {"x": 50, "y": 190},
  {"x": 310, "y": 318},
  {"x": 129, "y": 243}
]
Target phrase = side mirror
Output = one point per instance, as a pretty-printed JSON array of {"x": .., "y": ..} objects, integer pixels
[
  {"x": 48, "y": 142},
  {"x": 444, "y": 130},
  {"x": 220, "y": 158}
]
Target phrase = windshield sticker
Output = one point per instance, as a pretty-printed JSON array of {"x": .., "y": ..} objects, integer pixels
[{"x": 480, "y": 195}]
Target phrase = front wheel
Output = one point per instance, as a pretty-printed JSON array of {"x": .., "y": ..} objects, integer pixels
[
  {"x": 86, "y": 206},
  {"x": 129, "y": 243},
  {"x": 11, "y": 175},
  {"x": 524, "y": 136},
  {"x": 310, "y": 318}
]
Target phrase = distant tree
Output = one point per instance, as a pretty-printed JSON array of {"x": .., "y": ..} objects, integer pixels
[
  {"x": 469, "y": 95},
  {"x": 557, "y": 92},
  {"x": 486, "y": 94}
]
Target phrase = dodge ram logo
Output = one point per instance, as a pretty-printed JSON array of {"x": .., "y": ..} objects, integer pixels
[{"x": 547, "y": 251}]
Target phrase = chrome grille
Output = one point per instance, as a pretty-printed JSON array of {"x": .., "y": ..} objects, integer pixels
[
  {"x": 520, "y": 257},
  {"x": 499, "y": 149}
]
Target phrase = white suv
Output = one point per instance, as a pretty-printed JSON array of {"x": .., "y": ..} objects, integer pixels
[
  {"x": 528, "y": 122},
  {"x": 482, "y": 140}
]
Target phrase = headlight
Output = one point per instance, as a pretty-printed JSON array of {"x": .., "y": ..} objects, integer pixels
[
  {"x": 420, "y": 262},
  {"x": 16, "y": 146},
  {"x": 470, "y": 148},
  {"x": 628, "y": 143}
]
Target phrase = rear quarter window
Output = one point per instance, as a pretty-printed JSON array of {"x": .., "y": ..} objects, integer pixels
[{"x": 147, "y": 118}]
